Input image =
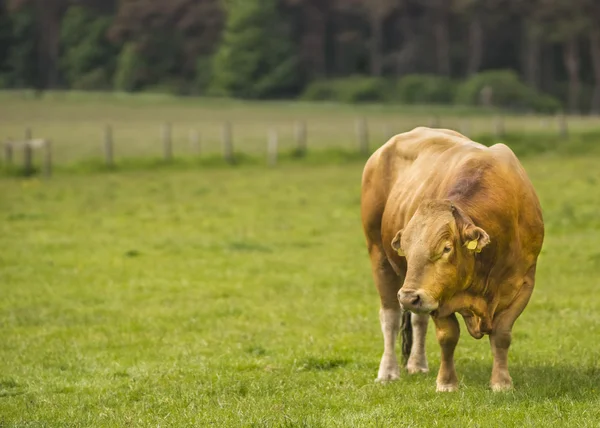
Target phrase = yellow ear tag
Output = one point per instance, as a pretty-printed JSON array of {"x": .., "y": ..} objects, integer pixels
[
  {"x": 400, "y": 252},
  {"x": 471, "y": 245}
]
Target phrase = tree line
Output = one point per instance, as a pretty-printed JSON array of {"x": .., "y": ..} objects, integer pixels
[{"x": 533, "y": 54}]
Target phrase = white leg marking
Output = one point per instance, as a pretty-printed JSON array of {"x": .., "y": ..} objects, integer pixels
[
  {"x": 501, "y": 387},
  {"x": 390, "y": 326},
  {"x": 446, "y": 388},
  {"x": 417, "y": 362}
]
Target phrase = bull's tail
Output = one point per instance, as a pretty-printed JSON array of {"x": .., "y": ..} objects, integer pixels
[{"x": 407, "y": 336}]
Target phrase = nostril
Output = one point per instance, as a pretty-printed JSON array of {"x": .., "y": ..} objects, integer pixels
[{"x": 416, "y": 300}]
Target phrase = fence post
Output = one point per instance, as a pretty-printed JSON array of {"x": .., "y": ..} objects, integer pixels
[
  {"x": 301, "y": 138},
  {"x": 28, "y": 152},
  {"x": 387, "y": 132},
  {"x": 362, "y": 135},
  {"x": 8, "y": 153},
  {"x": 499, "y": 126},
  {"x": 272, "y": 147},
  {"x": 27, "y": 158},
  {"x": 167, "y": 144},
  {"x": 563, "y": 128},
  {"x": 47, "y": 158},
  {"x": 465, "y": 128},
  {"x": 195, "y": 141},
  {"x": 227, "y": 142},
  {"x": 108, "y": 146}
]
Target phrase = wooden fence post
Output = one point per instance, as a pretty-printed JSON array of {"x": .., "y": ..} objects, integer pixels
[
  {"x": 108, "y": 146},
  {"x": 167, "y": 142},
  {"x": 362, "y": 135},
  {"x": 301, "y": 138},
  {"x": 387, "y": 131},
  {"x": 28, "y": 153},
  {"x": 8, "y": 153},
  {"x": 563, "y": 127},
  {"x": 465, "y": 129},
  {"x": 47, "y": 158},
  {"x": 195, "y": 142},
  {"x": 434, "y": 122},
  {"x": 272, "y": 147},
  {"x": 27, "y": 158},
  {"x": 499, "y": 126},
  {"x": 227, "y": 142}
]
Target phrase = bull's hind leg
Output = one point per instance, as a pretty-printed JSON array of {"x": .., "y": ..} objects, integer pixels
[
  {"x": 501, "y": 335},
  {"x": 417, "y": 362},
  {"x": 388, "y": 284}
]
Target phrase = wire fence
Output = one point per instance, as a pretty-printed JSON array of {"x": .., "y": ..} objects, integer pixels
[{"x": 111, "y": 144}]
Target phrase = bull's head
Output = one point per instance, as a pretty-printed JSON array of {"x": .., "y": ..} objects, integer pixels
[{"x": 439, "y": 243}]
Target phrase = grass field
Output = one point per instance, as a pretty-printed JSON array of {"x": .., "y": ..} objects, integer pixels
[
  {"x": 243, "y": 297},
  {"x": 75, "y": 122}
]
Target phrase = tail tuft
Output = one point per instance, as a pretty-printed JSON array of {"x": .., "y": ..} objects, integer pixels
[{"x": 407, "y": 336}]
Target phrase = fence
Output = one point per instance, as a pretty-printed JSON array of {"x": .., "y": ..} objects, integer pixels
[
  {"x": 27, "y": 147},
  {"x": 301, "y": 141}
]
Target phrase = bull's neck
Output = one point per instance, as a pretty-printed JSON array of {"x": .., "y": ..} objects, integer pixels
[{"x": 477, "y": 283}]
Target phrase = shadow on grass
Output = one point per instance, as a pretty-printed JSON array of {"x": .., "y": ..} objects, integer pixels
[
  {"x": 534, "y": 382},
  {"x": 10, "y": 388},
  {"x": 321, "y": 364}
]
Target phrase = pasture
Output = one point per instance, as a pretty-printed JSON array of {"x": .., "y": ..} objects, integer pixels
[{"x": 243, "y": 297}]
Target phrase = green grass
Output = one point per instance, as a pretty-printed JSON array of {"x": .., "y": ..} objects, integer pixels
[
  {"x": 75, "y": 122},
  {"x": 239, "y": 297}
]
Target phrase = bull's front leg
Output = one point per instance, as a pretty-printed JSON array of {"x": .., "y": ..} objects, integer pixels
[
  {"x": 501, "y": 336},
  {"x": 500, "y": 342},
  {"x": 447, "y": 332},
  {"x": 390, "y": 325},
  {"x": 387, "y": 283},
  {"x": 417, "y": 362}
]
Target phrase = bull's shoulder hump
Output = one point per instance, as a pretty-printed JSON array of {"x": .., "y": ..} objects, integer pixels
[
  {"x": 403, "y": 149},
  {"x": 409, "y": 145},
  {"x": 503, "y": 155},
  {"x": 502, "y": 151}
]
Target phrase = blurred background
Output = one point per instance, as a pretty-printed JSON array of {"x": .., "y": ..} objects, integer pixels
[
  {"x": 536, "y": 55},
  {"x": 108, "y": 81}
]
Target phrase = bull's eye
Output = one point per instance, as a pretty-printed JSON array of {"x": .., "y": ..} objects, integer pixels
[{"x": 447, "y": 249}]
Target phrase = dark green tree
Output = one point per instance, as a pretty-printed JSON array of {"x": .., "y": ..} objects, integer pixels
[
  {"x": 256, "y": 58},
  {"x": 20, "y": 62},
  {"x": 170, "y": 37},
  {"x": 128, "y": 73},
  {"x": 88, "y": 58},
  {"x": 5, "y": 37}
]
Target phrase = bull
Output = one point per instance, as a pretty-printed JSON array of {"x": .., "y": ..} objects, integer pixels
[{"x": 452, "y": 227}]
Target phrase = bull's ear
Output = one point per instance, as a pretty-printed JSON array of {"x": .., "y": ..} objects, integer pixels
[
  {"x": 475, "y": 238},
  {"x": 396, "y": 243}
]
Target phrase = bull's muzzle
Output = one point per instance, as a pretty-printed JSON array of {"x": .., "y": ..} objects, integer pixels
[{"x": 416, "y": 301}]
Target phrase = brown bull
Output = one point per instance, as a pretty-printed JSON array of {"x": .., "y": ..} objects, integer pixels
[{"x": 452, "y": 227}]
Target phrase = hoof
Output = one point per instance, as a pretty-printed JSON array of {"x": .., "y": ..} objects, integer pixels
[
  {"x": 387, "y": 378},
  {"x": 414, "y": 368},
  {"x": 501, "y": 387},
  {"x": 446, "y": 388}
]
